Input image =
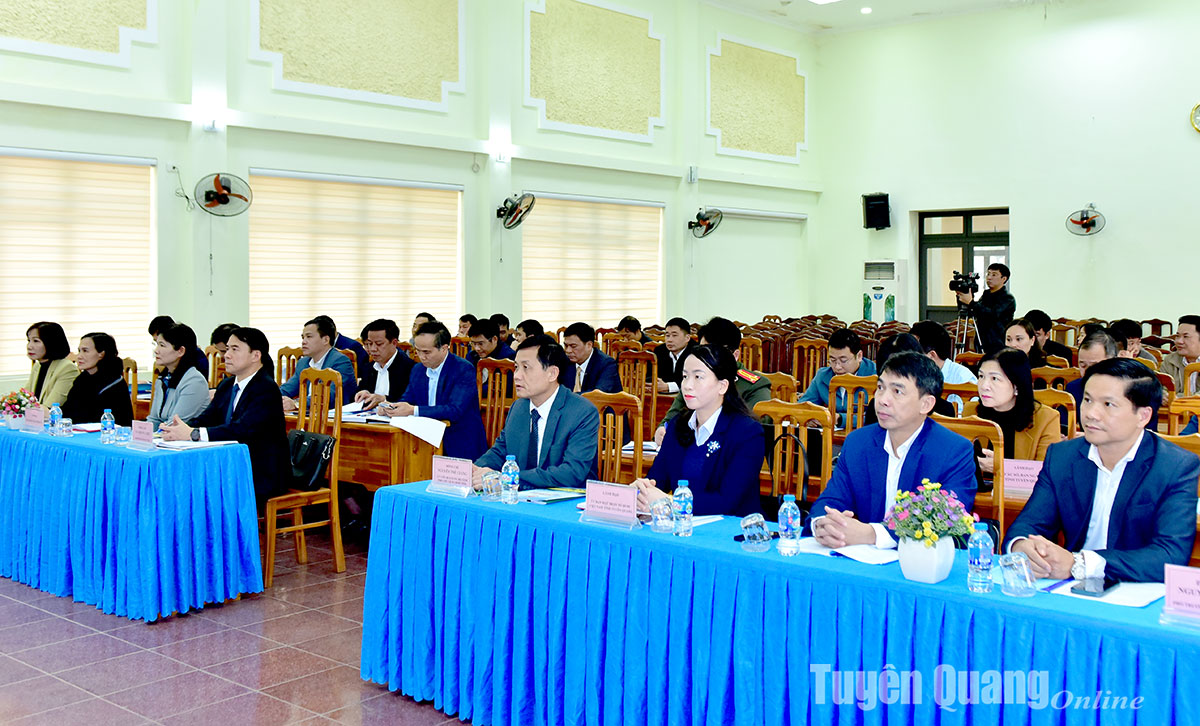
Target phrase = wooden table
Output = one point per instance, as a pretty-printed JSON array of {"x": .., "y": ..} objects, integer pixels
[{"x": 376, "y": 454}]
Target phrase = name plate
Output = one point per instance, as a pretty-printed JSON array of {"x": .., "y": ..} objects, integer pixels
[
  {"x": 611, "y": 504},
  {"x": 35, "y": 420},
  {"x": 1182, "y": 606},
  {"x": 451, "y": 476},
  {"x": 142, "y": 435},
  {"x": 1020, "y": 475}
]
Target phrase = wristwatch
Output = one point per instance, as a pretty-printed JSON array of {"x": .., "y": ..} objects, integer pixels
[
  {"x": 1079, "y": 569},
  {"x": 196, "y": 437}
]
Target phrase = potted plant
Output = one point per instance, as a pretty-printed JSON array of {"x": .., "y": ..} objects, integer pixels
[
  {"x": 925, "y": 523},
  {"x": 14, "y": 404}
]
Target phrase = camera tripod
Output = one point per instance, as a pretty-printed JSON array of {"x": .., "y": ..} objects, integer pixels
[{"x": 962, "y": 324}]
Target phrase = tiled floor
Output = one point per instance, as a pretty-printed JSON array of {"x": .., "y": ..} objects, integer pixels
[{"x": 288, "y": 656}]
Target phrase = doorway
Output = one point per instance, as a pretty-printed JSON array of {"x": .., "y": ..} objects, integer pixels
[{"x": 957, "y": 241}]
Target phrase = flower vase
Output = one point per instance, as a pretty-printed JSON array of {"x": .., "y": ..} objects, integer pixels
[{"x": 926, "y": 564}]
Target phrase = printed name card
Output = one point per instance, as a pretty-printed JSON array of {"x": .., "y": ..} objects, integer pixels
[
  {"x": 35, "y": 420},
  {"x": 1183, "y": 595},
  {"x": 451, "y": 476},
  {"x": 142, "y": 435},
  {"x": 1020, "y": 475},
  {"x": 614, "y": 504}
]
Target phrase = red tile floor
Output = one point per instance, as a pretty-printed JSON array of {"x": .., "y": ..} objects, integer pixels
[{"x": 287, "y": 656}]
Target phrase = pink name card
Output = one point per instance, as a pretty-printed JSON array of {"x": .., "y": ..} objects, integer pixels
[
  {"x": 1020, "y": 475},
  {"x": 614, "y": 502},
  {"x": 451, "y": 476},
  {"x": 1183, "y": 591},
  {"x": 35, "y": 419},
  {"x": 142, "y": 435}
]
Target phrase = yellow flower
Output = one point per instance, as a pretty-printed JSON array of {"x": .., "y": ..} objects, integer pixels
[
  {"x": 934, "y": 485},
  {"x": 933, "y": 537},
  {"x": 917, "y": 534},
  {"x": 928, "y": 543},
  {"x": 925, "y": 480}
]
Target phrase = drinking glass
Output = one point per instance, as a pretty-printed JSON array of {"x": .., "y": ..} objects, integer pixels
[
  {"x": 1018, "y": 581},
  {"x": 491, "y": 487},
  {"x": 662, "y": 516},
  {"x": 66, "y": 427},
  {"x": 755, "y": 535},
  {"x": 123, "y": 435}
]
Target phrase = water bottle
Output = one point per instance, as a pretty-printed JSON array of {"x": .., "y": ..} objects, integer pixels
[
  {"x": 681, "y": 507},
  {"x": 979, "y": 560},
  {"x": 510, "y": 480},
  {"x": 789, "y": 526},
  {"x": 108, "y": 427},
  {"x": 51, "y": 425}
]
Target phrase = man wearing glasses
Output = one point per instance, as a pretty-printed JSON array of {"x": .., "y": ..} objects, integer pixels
[{"x": 845, "y": 358}]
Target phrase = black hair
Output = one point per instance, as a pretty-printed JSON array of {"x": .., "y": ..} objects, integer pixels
[
  {"x": 158, "y": 324},
  {"x": 583, "y": 331},
  {"x": 721, "y": 362},
  {"x": 1193, "y": 320},
  {"x": 1089, "y": 328},
  {"x": 111, "y": 363},
  {"x": 1118, "y": 337},
  {"x": 1037, "y": 356},
  {"x": 924, "y": 372},
  {"x": 549, "y": 353},
  {"x": 680, "y": 323},
  {"x": 630, "y": 324},
  {"x": 1002, "y": 269},
  {"x": 1141, "y": 388},
  {"x": 898, "y": 343},
  {"x": 220, "y": 334},
  {"x": 441, "y": 336},
  {"x": 1129, "y": 329},
  {"x": 486, "y": 327},
  {"x": 933, "y": 337},
  {"x": 391, "y": 331},
  {"x": 53, "y": 337},
  {"x": 325, "y": 327},
  {"x": 1102, "y": 338},
  {"x": 180, "y": 336},
  {"x": 428, "y": 317},
  {"x": 255, "y": 340},
  {"x": 722, "y": 333},
  {"x": 500, "y": 319},
  {"x": 531, "y": 327},
  {"x": 468, "y": 318},
  {"x": 1039, "y": 320},
  {"x": 845, "y": 338},
  {"x": 1017, "y": 369}
]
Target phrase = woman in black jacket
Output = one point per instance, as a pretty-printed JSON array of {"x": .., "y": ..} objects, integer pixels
[{"x": 100, "y": 384}]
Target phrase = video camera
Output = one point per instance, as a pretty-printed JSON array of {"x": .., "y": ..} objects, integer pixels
[{"x": 968, "y": 283}]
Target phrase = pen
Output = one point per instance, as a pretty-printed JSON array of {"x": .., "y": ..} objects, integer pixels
[{"x": 1055, "y": 586}]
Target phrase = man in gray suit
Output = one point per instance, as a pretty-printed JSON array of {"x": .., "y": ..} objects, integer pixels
[{"x": 552, "y": 431}]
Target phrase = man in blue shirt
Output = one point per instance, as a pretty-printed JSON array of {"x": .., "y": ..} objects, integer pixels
[{"x": 845, "y": 358}]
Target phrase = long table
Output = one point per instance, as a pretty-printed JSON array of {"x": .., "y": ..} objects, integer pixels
[
  {"x": 141, "y": 534},
  {"x": 523, "y": 615},
  {"x": 376, "y": 454}
]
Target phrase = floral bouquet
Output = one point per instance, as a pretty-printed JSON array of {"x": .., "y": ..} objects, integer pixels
[
  {"x": 929, "y": 514},
  {"x": 16, "y": 402}
]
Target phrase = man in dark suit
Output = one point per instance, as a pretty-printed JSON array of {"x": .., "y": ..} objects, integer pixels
[
  {"x": 676, "y": 342},
  {"x": 894, "y": 455},
  {"x": 443, "y": 388},
  {"x": 502, "y": 322},
  {"x": 1042, "y": 327},
  {"x": 316, "y": 343},
  {"x": 550, "y": 430},
  {"x": 245, "y": 408},
  {"x": 487, "y": 342},
  {"x": 1122, "y": 499},
  {"x": 592, "y": 369},
  {"x": 381, "y": 338}
]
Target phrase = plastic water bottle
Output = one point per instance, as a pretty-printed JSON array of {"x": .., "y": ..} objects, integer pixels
[
  {"x": 108, "y": 427},
  {"x": 789, "y": 526},
  {"x": 51, "y": 425},
  {"x": 510, "y": 480},
  {"x": 979, "y": 560},
  {"x": 681, "y": 507}
]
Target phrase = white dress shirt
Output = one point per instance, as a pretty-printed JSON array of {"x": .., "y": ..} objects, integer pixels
[
  {"x": 705, "y": 430},
  {"x": 319, "y": 364},
  {"x": 955, "y": 372},
  {"x": 383, "y": 384},
  {"x": 1107, "y": 483},
  {"x": 434, "y": 374},
  {"x": 884, "y": 538},
  {"x": 543, "y": 415},
  {"x": 673, "y": 387},
  {"x": 240, "y": 386}
]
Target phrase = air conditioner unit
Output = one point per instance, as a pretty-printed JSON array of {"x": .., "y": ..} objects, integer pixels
[{"x": 884, "y": 288}]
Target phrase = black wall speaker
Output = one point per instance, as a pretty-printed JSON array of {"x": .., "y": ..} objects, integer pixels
[{"x": 876, "y": 212}]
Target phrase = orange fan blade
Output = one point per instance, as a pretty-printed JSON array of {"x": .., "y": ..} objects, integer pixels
[
  {"x": 213, "y": 203},
  {"x": 217, "y": 183},
  {"x": 239, "y": 196}
]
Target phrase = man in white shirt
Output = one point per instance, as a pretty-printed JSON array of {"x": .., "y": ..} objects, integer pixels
[
  {"x": 935, "y": 341},
  {"x": 1122, "y": 499},
  {"x": 316, "y": 344},
  {"x": 386, "y": 376}
]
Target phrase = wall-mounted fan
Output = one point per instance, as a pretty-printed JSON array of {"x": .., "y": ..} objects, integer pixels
[
  {"x": 224, "y": 195},
  {"x": 1085, "y": 221},
  {"x": 513, "y": 210},
  {"x": 706, "y": 221}
]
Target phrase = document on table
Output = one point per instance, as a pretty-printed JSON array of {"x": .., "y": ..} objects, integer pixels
[
  {"x": 429, "y": 430},
  {"x": 696, "y": 521},
  {"x": 545, "y": 496},
  {"x": 648, "y": 447},
  {"x": 184, "y": 445},
  {"x": 1125, "y": 594},
  {"x": 867, "y": 554},
  {"x": 87, "y": 428}
]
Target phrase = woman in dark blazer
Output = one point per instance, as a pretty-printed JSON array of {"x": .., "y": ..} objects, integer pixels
[
  {"x": 100, "y": 384},
  {"x": 718, "y": 449}
]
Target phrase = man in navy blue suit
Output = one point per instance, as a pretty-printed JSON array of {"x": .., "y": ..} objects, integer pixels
[
  {"x": 443, "y": 387},
  {"x": 592, "y": 369},
  {"x": 550, "y": 430},
  {"x": 486, "y": 342},
  {"x": 316, "y": 343},
  {"x": 892, "y": 456},
  {"x": 1123, "y": 500}
]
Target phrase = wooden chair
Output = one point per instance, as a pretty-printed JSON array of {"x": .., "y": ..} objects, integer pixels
[
  {"x": 1062, "y": 401},
  {"x": 973, "y": 429},
  {"x": 317, "y": 389},
  {"x": 285, "y": 363},
  {"x": 1056, "y": 377},
  {"x": 615, "y": 409},
  {"x": 1180, "y": 411},
  {"x": 808, "y": 356},
  {"x": 639, "y": 377},
  {"x": 409, "y": 350},
  {"x": 1157, "y": 353},
  {"x": 620, "y": 345},
  {"x": 787, "y": 461},
  {"x": 460, "y": 346},
  {"x": 1057, "y": 361},
  {"x": 965, "y": 391},
  {"x": 859, "y": 391},
  {"x": 1065, "y": 334},
  {"x": 751, "y": 353},
  {"x": 1157, "y": 325},
  {"x": 605, "y": 338},
  {"x": 216, "y": 365},
  {"x": 968, "y": 359},
  {"x": 783, "y": 386},
  {"x": 129, "y": 373},
  {"x": 495, "y": 400},
  {"x": 1188, "y": 388},
  {"x": 1158, "y": 343},
  {"x": 353, "y": 359},
  {"x": 772, "y": 319}
]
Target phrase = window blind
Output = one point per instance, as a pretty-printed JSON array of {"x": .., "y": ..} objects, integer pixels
[
  {"x": 77, "y": 247},
  {"x": 591, "y": 261},
  {"x": 352, "y": 251}
]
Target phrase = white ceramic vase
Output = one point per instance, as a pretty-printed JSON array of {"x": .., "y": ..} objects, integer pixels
[{"x": 926, "y": 564}]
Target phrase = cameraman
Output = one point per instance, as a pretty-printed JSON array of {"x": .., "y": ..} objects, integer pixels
[{"x": 993, "y": 310}]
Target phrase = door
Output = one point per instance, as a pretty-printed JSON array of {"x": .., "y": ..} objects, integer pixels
[{"x": 952, "y": 242}]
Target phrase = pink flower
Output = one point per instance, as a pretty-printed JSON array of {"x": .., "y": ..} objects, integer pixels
[{"x": 903, "y": 515}]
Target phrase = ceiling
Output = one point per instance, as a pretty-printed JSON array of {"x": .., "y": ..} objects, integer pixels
[{"x": 846, "y": 15}]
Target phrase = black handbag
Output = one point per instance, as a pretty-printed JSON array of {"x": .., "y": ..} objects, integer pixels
[{"x": 310, "y": 455}]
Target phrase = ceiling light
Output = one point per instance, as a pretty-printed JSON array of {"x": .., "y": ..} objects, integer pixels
[
  {"x": 865, "y": 11},
  {"x": 823, "y": 2}
]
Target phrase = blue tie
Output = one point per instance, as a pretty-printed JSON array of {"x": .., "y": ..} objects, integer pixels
[
  {"x": 232, "y": 403},
  {"x": 531, "y": 453}
]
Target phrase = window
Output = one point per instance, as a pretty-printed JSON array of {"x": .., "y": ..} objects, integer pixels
[
  {"x": 963, "y": 241},
  {"x": 590, "y": 261},
  {"x": 352, "y": 250},
  {"x": 77, "y": 247}
]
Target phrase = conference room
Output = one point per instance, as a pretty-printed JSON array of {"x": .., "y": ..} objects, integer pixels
[{"x": 780, "y": 177}]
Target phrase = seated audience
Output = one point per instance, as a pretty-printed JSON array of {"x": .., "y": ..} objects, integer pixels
[
  {"x": 418, "y": 321},
  {"x": 487, "y": 343},
  {"x": 1095, "y": 347},
  {"x": 443, "y": 387},
  {"x": 52, "y": 374},
  {"x": 900, "y": 343},
  {"x": 160, "y": 323},
  {"x": 1042, "y": 327},
  {"x": 551, "y": 431},
  {"x": 387, "y": 375},
  {"x": 592, "y": 369},
  {"x": 526, "y": 329},
  {"x": 316, "y": 345},
  {"x": 501, "y": 321},
  {"x": 100, "y": 384},
  {"x": 676, "y": 342},
  {"x": 1131, "y": 331},
  {"x": 181, "y": 391},
  {"x": 342, "y": 342},
  {"x": 895, "y": 455},
  {"x": 1121, "y": 499},
  {"x": 717, "y": 448},
  {"x": 1020, "y": 335},
  {"x": 938, "y": 347},
  {"x": 244, "y": 409},
  {"x": 1006, "y": 398},
  {"x": 464, "y": 325},
  {"x": 1187, "y": 351},
  {"x": 845, "y": 359},
  {"x": 220, "y": 336},
  {"x": 630, "y": 328}
]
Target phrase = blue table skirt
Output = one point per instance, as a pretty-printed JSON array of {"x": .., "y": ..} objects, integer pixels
[
  {"x": 521, "y": 615},
  {"x": 141, "y": 534}
]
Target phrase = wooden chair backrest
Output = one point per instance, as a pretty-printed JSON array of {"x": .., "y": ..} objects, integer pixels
[
  {"x": 968, "y": 358},
  {"x": 1157, "y": 325},
  {"x": 1179, "y": 411},
  {"x": 751, "y": 353},
  {"x": 285, "y": 363},
  {"x": 772, "y": 319},
  {"x": 1056, "y": 377},
  {"x": 460, "y": 346},
  {"x": 639, "y": 375},
  {"x": 497, "y": 397},
  {"x": 1161, "y": 343},
  {"x": 615, "y": 409},
  {"x": 321, "y": 395},
  {"x": 808, "y": 356},
  {"x": 965, "y": 391},
  {"x": 783, "y": 386},
  {"x": 409, "y": 350},
  {"x": 1066, "y": 334},
  {"x": 216, "y": 365},
  {"x": 353, "y": 359},
  {"x": 787, "y": 460},
  {"x": 129, "y": 373},
  {"x": 1189, "y": 389},
  {"x": 973, "y": 429},
  {"x": 859, "y": 391},
  {"x": 1157, "y": 353},
  {"x": 1057, "y": 361},
  {"x": 605, "y": 338},
  {"x": 1062, "y": 401},
  {"x": 620, "y": 345}
]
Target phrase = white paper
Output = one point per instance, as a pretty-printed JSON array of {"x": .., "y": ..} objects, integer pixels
[
  {"x": 1125, "y": 594},
  {"x": 707, "y": 519},
  {"x": 545, "y": 496},
  {"x": 429, "y": 430},
  {"x": 648, "y": 447},
  {"x": 87, "y": 428},
  {"x": 145, "y": 397},
  {"x": 352, "y": 407},
  {"x": 182, "y": 445},
  {"x": 867, "y": 554}
]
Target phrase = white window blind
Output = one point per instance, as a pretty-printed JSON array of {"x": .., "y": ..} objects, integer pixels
[
  {"x": 352, "y": 251},
  {"x": 76, "y": 248},
  {"x": 590, "y": 261}
]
